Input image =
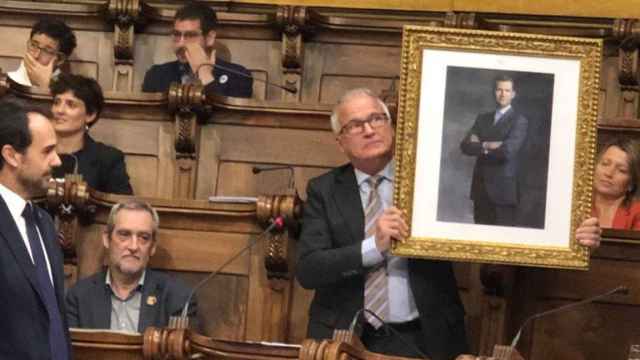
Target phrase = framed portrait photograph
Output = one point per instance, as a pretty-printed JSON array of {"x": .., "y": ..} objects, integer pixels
[{"x": 495, "y": 145}]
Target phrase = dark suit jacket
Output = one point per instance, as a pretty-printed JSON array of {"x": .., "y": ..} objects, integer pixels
[
  {"x": 89, "y": 301},
  {"x": 24, "y": 327},
  {"x": 330, "y": 261},
  {"x": 159, "y": 78},
  {"x": 498, "y": 169},
  {"x": 102, "y": 167}
]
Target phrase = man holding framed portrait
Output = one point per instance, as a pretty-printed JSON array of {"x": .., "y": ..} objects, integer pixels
[{"x": 348, "y": 227}]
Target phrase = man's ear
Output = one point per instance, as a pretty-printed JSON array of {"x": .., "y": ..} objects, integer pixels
[
  {"x": 11, "y": 156},
  {"x": 105, "y": 239},
  {"x": 210, "y": 39},
  {"x": 339, "y": 141},
  {"x": 153, "y": 247}
]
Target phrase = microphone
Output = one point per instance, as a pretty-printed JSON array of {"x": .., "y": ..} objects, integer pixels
[
  {"x": 387, "y": 327},
  {"x": 289, "y": 88},
  {"x": 276, "y": 223},
  {"x": 621, "y": 290},
  {"x": 258, "y": 169}
]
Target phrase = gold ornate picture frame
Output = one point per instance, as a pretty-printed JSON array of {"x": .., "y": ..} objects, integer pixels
[{"x": 455, "y": 153}]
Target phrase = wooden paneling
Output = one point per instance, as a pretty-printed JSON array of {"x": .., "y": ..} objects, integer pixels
[{"x": 342, "y": 47}]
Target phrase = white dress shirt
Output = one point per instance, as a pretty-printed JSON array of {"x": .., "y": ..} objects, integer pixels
[{"x": 16, "y": 206}]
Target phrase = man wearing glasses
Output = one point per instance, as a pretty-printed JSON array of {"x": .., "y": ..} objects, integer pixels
[
  {"x": 343, "y": 254},
  {"x": 50, "y": 44},
  {"x": 194, "y": 36}
]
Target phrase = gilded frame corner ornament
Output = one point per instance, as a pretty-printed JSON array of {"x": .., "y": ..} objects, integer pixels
[{"x": 419, "y": 46}]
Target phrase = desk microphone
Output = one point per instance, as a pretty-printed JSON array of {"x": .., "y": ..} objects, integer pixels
[
  {"x": 622, "y": 290},
  {"x": 387, "y": 327},
  {"x": 289, "y": 88},
  {"x": 276, "y": 223}
]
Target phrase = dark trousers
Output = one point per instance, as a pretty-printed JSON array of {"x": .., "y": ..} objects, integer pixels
[
  {"x": 487, "y": 212},
  {"x": 401, "y": 342}
]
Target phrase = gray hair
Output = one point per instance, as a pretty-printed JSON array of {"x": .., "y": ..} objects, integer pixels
[
  {"x": 133, "y": 204},
  {"x": 357, "y": 92}
]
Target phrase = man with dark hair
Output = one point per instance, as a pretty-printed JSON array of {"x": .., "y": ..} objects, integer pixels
[
  {"x": 31, "y": 271},
  {"x": 50, "y": 44},
  {"x": 128, "y": 296},
  {"x": 194, "y": 36},
  {"x": 77, "y": 104},
  {"x": 495, "y": 139}
]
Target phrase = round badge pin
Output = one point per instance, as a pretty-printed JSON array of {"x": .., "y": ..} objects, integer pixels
[{"x": 223, "y": 79}]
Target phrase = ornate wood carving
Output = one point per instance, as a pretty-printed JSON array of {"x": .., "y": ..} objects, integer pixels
[
  {"x": 182, "y": 100},
  {"x": 277, "y": 256},
  {"x": 628, "y": 32},
  {"x": 69, "y": 200},
  {"x": 125, "y": 15},
  {"x": 182, "y": 344},
  {"x": 461, "y": 20},
  {"x": 293, "y": 23}
]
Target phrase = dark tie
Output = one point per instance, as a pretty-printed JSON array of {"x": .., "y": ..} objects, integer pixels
[
  {"x": 57, "y": 339},
  {"x": 376, "y": 292}
]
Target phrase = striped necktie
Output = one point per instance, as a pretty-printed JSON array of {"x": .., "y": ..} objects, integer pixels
[{"x": 376, "y": 292}]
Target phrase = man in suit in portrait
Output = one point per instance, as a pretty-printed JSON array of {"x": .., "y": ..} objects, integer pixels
[
  {"x": 343, "y": 252},
  {"x": 33, "y": 325},
  {"x": 194, "y": 36},
  {"x": 128, "y": 296},
  {"x": 496, "y": 139}
]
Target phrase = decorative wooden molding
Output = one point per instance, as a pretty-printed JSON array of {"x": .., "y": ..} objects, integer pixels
[
  {"x": 125, "y": 15},
  {"x": 461, "y": 20},
  {"x": 293, "y": 23},
  {"x": 69, "y": 201},
  {"x": 182, "y": 344},
  {"x": 279, "y": 246},
  {"x": 627, "y": 31}
]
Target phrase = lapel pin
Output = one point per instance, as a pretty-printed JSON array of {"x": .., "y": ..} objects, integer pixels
[
  {"x": 151, "y": 300},
  {"x": 223, "y": 79}
]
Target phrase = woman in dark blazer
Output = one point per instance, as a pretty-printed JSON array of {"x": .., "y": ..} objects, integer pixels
[{"x": 77, "y": 103}]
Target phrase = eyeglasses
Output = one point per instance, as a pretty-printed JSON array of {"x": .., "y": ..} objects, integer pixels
[
  {"x": 187, "y": 35},
  {"x": 34, "y": 46},
  {"x": 356, "y": 126}
]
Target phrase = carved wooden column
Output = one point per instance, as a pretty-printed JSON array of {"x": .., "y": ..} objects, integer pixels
[
  {"x": 628, "y": 32},
  {"x": 69, "y": 200},
  {"x": 163, "y": 343},
  {"x": 292, "y": 21},
  {"x": 278, "y": 254},
  {"x": 183, "y": 99},
  {"x": 125, "y": 15}
]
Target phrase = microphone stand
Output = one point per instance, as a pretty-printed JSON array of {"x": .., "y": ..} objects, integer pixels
[
  {"x": 289, "y": 89},
  {"x": 277, "y": 223}
]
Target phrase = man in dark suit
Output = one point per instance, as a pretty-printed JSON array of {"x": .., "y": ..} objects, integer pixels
[
  {"x": 496, "y": 139},
  {"x": 33, "y": 325},
  {"x": 128, "y": 296},
  {"x": 194, "y": 36},
  {"x": 343, "y": 251}
]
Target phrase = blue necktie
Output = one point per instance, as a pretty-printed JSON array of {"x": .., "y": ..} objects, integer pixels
[{"x": 57, "y": 339}]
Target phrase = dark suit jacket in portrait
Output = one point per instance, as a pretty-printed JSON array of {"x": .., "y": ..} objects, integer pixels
[
  {"x": 497, "y": 169},
  {"x": 226, "y": 83},
  {"x": 89, "y": 301},
  {"x": 101, "y": 166},
  {"x": 24, "y": 327},
  {"x": 330, "y": 261}
]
